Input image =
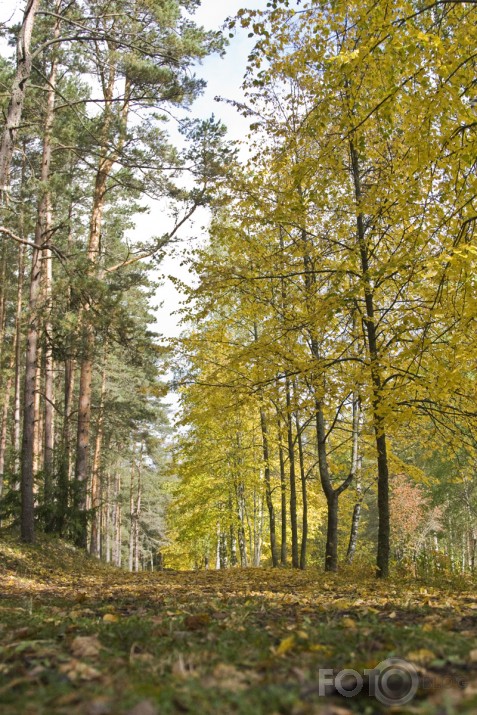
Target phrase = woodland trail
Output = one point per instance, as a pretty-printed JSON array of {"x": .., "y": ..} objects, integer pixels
[{"x": 78, "y": 637}]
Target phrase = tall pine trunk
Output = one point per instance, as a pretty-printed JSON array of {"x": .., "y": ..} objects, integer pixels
[
  {"x": 18, "y": 353},
  {"x": 30, "y": 404},
  {"x": 105, "y": 165}
]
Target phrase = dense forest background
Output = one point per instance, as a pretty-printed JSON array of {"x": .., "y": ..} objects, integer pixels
[{"x": 326, "y": 369}]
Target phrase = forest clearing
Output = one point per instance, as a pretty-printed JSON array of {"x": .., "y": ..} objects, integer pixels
[{"x": 238, "y": 331}]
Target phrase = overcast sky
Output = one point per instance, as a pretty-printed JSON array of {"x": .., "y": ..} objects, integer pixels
[{"x": 224, "y": 77}]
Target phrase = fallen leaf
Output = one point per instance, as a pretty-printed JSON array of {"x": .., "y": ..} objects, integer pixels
[
  {"x": 423, "y": 656},
  {"x": 76, "y": 670},
  {"x": 85, "y": 646},
  {"x": 285, "y": 645},
  {"x": 110, "y": 618}
]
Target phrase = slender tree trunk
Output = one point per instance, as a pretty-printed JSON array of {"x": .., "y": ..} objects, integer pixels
[
  {"x": 258, "y": 529},
  {"x": 47, "y": 256},
  {"x": 304, "y": 494},
  {"x": 233, "y": 541},
  {"x": 18, "y": 352},
  {"x": 283, "y": 491},
  {"x": 355, "y": 520},
  {"x": 117, "y": 521},
  {"x": 64, "y": 476},
  {"x": 353, "y": 537},
  {"x": 384, "y": 529},
  {"x": 332, "y": 494},
  {"x": 27, "y": 498},
  {"x": 49, "y": 413},
  {"x": 217, "y": 552},
  {"x": 38, "y": 430},
  {"x": 105, "y": 166},
  {"x": 137, "y": 516},
  {"x": 268, "y": 487},
  {"x": 240, "y": 495},
  {"x": 15, "y": 107},
  {"x": 131, "y": 520},
  {"x": 4, "y": 422},
  {"x": 223, "y": 550},
  {"x": 95, "y": 472},
  {"x": 291, "y": 462},
  {"x": 42, "y": 236},
  {"x": 3, "y": 304}
]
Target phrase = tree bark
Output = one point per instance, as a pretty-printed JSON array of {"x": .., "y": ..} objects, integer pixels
[
  {"x": 291, "y": 462},
  {"x": 18, "y": 348},
  {"x": 95, "y": 542},
  {"x": 240, "y": 500},
  {"x": 384, "y": 529},
  {"x": 283, "y": 492},
  {"x": 42, "y": 236},
  {"x": 131, "y": 520},
  {"x": 332, "y": 494},
  {"x": 117, "y": 521},
  {"x": 15, "y": 107},
  {"x": 268, "y": 487},
  {"x": 137, "y": 516},
  {"x": 4, "y": 423},
  {"x": 105, "y": 166},
  {"x": 3, "y": 303},
  {"x": 304, "y": 493}
]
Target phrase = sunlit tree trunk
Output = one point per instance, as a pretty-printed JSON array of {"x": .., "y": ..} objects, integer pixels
[
  {"x": 42, "y": 236},
  {"x": 105, "y": 166}
]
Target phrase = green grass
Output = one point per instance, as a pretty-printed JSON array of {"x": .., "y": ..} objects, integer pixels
[{"x": 249, "y": 642}]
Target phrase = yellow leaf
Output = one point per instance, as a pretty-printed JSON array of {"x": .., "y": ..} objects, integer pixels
[
  {"x": 285, "y": 645},
  {"x": 348, "y": 623},
  {"x": 110, "y": 618},
  {"x": 423, "y": 656}
]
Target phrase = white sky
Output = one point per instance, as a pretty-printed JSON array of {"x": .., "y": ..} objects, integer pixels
[{"x": 224, "y": 78}]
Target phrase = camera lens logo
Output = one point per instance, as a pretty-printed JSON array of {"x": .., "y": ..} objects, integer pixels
[{"x": 393, "y": 682}]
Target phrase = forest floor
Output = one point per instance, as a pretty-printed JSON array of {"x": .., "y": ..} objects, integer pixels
[{"x": 78, "y": 637}]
